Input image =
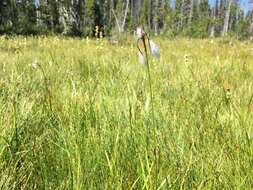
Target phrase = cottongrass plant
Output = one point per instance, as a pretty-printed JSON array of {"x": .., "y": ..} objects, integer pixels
[
  {"x": 153, "y": 47},
  {"x": 143, "y": 38},
  {"x": 143, "y": 58}
]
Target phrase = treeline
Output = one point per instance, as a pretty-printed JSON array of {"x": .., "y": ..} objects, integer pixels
[{"x": 194, "y": 18}]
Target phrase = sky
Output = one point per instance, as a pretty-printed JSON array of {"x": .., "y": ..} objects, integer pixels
[{"x": 244, "y": 4}]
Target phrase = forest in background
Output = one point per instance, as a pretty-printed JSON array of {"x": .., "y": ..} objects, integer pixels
[{"x": 193, "y": 18}]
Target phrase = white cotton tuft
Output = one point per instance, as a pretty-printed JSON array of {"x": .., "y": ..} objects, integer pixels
[
  {"x": 139, "y": 32},
  {"x": 142, "y": 58},
  {"x": 155, "y": 51}
]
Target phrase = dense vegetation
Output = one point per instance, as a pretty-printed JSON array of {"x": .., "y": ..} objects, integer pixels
[
  {"x": 195, "y": 18},
  {"x": 77, "y": 114}
]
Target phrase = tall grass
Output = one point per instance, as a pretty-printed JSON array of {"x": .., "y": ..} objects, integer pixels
[{"x": 81, "y": 118}]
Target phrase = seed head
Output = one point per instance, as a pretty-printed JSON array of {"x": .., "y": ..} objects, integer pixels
[
  {"x": 140, "y": 33},
  {"x": 155, "y": 51},
  {"x": 35, "y": 64}
]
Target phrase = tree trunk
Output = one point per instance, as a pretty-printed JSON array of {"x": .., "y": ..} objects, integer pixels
[
  {"x": 123, "y": 21},
  {"x": 212, "y": 24},
  {"x": 155, "y": 19},
  {"x": 251, "y": 25},
  {"x": 135, "y": 11},
  {"x": 214, "y": 15},
  {"x": 106, "y": 15},
  {"x": 226, "y": 20},
  {"x": 191, "y": 11},
  {"x": 182, "y": 13},
  {"x": 161, "y": 18}
]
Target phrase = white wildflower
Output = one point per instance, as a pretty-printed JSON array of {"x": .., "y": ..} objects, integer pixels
[
  {"x": 155, "y": 51},
  {"x": 35, "y": 64}
]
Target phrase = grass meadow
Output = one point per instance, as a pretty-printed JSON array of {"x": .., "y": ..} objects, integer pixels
[{"x": 78, "y": 114}]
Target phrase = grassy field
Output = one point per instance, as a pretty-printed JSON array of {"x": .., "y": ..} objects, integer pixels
[{"x": 77, "y": 114}]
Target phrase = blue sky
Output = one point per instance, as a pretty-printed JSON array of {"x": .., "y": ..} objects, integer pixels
[{"x": 244, "y": 4}]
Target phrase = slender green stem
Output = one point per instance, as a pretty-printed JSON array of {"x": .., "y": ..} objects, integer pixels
[
  {"x": 149, "y": 79},
  {"x": 14, "y": 103}
]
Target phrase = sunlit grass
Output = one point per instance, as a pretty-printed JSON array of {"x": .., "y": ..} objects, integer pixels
[{"x": 76, "y": 114}]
